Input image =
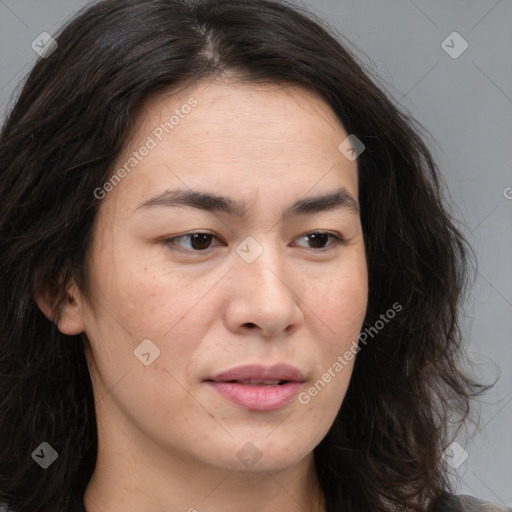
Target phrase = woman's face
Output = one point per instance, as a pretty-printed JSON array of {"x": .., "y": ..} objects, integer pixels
[{"x": 171, "y": 312}]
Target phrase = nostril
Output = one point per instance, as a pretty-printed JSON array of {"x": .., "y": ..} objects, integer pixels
[{"x": 250, "y": 324}]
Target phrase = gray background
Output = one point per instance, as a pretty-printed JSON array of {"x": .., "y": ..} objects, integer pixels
[{"x": 466, "y": 104}]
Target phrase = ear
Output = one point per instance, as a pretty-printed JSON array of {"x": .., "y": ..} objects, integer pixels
[{"x": 70, "y": 317}]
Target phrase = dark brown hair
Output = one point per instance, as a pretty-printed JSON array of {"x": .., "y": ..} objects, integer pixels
[{"x": 72, "y": 119}]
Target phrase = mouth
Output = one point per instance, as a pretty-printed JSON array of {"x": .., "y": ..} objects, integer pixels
[
  {"x": 258, "y": 388},
  {"x": 253, "y": 382},
  {"x": 260, "y": 375}
]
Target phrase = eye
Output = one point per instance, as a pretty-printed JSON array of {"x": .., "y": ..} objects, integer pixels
[
  {"x": 201, "y": 242},
  {"x": 197, "y": 242},
  {"x": 318, "y": 239}
]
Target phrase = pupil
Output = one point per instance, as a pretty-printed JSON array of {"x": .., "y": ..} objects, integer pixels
[
  {"x": 319, "y": 237},
  {"x": 201, "y": 240}
]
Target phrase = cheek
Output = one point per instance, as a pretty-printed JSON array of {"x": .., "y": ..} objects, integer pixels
[
  {"x": 340, "y": 303},
  {"x": 164, "y": 305},
  {"x": 149, "y": 299},
  {"x": 337, "y": 310}
]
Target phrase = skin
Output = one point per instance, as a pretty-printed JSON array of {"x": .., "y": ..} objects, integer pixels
[{"x": 167, "y": 442}]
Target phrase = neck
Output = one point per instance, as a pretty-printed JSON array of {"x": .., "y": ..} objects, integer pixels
[
  {"x": 115, "y": 488},
  {"x": 134, "y": 474}
]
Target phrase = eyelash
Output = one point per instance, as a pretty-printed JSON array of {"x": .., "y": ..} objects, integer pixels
[{"x": 338, "y": 240}]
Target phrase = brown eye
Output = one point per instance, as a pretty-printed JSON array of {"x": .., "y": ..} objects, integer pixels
[
  {"x": 195, "y": 242},
  {"x": 201, "y": 241},
  {"x": 319, "y": 239}
]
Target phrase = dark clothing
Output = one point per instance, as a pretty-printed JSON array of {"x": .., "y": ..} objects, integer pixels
[{"x": 448, "y": 503}]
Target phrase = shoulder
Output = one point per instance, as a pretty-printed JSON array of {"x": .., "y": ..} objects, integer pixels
[{"x": 465, "y": 503}]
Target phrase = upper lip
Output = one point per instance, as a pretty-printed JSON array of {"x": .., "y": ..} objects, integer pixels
[{"x": 259, "y": 372}]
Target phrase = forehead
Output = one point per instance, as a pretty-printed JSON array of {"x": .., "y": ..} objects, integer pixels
[{"x": 235, "y": 137}]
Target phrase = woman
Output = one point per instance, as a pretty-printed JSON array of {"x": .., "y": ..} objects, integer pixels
[{"x": 230, "y": 282}]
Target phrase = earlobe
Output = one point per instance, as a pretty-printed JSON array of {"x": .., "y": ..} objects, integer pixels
[{"x": 69, "y": 318}]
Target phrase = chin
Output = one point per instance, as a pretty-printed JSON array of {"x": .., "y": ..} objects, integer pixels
[{"x": 259, "y": 454}]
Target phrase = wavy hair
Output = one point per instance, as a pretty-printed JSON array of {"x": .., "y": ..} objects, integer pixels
[{"x": 72, "y": 118}]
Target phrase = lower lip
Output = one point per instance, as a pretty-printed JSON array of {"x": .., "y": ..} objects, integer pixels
[{"x": 258, "y": 398}]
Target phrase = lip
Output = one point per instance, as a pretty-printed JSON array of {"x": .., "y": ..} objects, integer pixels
[
  {"x": 258, "y": 397},
  {"x": 260, "y": 372}
]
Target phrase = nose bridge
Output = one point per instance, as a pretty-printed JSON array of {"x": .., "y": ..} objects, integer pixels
[
  {"x": 261, "y": 265},
  {"x": 266, "y": 298}
]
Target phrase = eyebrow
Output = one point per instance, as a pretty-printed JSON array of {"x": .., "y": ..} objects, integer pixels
[{"x": 206, "y": 201}]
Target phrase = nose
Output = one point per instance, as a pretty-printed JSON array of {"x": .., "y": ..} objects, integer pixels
[{"x": 264, "y": 296}]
